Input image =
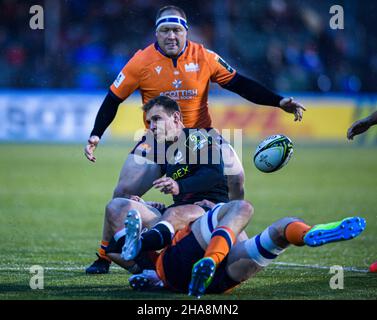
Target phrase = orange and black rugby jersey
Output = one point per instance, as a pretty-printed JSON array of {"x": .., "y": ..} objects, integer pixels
[{"x": 185, "y": 79}]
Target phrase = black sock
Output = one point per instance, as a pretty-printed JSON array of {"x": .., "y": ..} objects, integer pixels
[{"x": 157, "y": 238}]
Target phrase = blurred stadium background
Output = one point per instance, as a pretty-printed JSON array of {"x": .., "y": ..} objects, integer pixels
[
  {"x": 52, "y": 84},
  {"x": 53, "y": 80}
]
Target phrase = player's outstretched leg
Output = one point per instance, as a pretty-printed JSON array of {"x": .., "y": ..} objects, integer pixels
[
  {"x": 345, "y": 229},
  {"x": 132, "y": 243},
  {"x": 250, "y": 256},
  {"x": 201, "y": 276}
]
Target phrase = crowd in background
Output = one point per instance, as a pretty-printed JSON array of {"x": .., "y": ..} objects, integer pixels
[{"x": 286, "y": 44}]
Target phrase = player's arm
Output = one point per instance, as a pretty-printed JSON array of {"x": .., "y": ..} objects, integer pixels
[
  {"x": 105, "y": 116},
  {"x": 126, "y": 82},
  {"x": 205, "y": 178},
  {"x": 223, "y": 74},
  {"x": 362, "y": 125},
  {"x": 208, "y": 174},
  {"x": 257, "y": 93}
]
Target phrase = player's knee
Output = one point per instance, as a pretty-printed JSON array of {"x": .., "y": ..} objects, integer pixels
[
  {"x": 245, "y": 209},
  {"x": 175, "y": 217},
  {"x": 115, "y": 207}
]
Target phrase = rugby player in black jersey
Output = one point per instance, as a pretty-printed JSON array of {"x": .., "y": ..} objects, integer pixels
[{"x": 194, "y": 172}]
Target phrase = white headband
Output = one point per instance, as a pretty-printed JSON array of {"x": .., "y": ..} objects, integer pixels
[{"x": 176, "y": 20}]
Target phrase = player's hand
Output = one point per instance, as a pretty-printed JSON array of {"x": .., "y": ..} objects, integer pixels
[
  {"x": 159, "y": 206},
  {"x": 167, "y": 185},
  {"x": 137, "y": 199},
  {"x": 291, "y": 106},
  {"x": 90, "y": 147},
  {"x": 358, "y": 127},
  {"x": 205, "y": 203}
]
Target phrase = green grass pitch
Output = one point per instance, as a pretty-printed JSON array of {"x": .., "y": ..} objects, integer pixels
[{"x": 51, "y": 212}]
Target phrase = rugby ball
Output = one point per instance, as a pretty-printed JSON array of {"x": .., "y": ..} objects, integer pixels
[{"x": 273, "y": 153}]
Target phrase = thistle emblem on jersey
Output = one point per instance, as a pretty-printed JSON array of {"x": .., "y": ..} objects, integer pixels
[
  {"x": 177, "y": 83},
  {"x": 158, "y": 69}
]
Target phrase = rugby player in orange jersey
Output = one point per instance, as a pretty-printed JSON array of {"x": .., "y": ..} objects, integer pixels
[{"x": 182, "y": 70}]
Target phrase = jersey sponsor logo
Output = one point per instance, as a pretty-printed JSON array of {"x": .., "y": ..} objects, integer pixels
[
  {"x": 158, "y": 69},
  {"x": 177, "y": 83},
  {"x": 180, "y": 94},
  {"x": 224, "y": 64},
  {"x": 180, "y": 173},
  {"x": 118, "y": 81},
  {"x": 196, "y": 141},
  {"x": 192, "y": 67}
]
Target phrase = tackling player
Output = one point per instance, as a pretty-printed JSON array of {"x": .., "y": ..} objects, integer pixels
[
  {"x": 205, "y": 257},
  {"x": 182, "y": 70}
]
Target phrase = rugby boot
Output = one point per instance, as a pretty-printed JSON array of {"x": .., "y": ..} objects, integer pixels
[
  {"x": 202, "y": 275},
  {"x": 132, "y": 243},
  {"x": 100, "y": 266},
  {"x": 345, "y": 229}
]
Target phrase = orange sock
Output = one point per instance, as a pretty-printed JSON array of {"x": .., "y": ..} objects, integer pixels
[
  {"x": 295, "y": 232},
  {"x": 102, "y": 250},
  {"x": 222, "y": 240}
]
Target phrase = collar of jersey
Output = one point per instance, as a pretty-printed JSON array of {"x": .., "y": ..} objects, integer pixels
[{"x": 157, "y": 47}]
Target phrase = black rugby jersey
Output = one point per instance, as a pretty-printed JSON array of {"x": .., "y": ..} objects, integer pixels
[{"x": 194, "y": 161}]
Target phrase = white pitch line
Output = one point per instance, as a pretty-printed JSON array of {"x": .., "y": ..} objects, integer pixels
[
  {"x": 52, "y": 268},
  {"x": 315, "y": 266},
  {"x": 280, "y": 264},
  {"x": 45, "y": 268}
]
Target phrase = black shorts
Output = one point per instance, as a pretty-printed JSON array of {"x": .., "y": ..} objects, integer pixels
[
  {"x": 205, "y": 208},
  {"x": 178, "y": 260}
]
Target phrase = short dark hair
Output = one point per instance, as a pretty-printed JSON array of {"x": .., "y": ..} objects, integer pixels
[
  {"x": 171, "y": 7},
  {"x": 169, "y": 105}
]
